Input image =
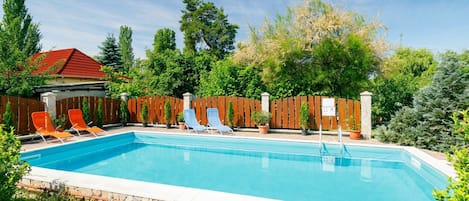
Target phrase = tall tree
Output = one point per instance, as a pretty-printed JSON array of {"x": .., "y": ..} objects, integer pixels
[
  {"x": 19, "y": 39},
  {"x": 206, "y": 27},
  {"x": 165, "y": 39},
  {"x": 18, "y": 25},
  {"x": 110, "y": 54},
  {"x": 125, "y": 47},
  {"x": 314, "y": 49}
]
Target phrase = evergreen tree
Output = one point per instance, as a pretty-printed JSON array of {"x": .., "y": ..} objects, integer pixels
[
  {"x": 85, "y": 108},
  {"x": 99, "y": 114},
  {"x": 206, "y": 27},
  {"x": 8, "y": 118},
  {"x": 18, "y": 25},
  {"x": 110, "y": 54},
  {"x": 125, "y": 47},
  {"x": 428, "y": 123},
  {"x": 19, "y": 39}
]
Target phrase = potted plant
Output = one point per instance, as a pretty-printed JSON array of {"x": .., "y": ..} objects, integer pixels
[
  {"x": 180, "y": 118},
  {"x": 261, "y": 119},
  {"x": 354, "y": 132},
  {"x": 144, "y": 114},
  {"x": 304, "y": 118},
  {"x": 167, "y": 114}
]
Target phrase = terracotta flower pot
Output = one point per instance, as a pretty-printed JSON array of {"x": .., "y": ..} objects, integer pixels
[
  {"x": 355, "y": 135},
  {"x": 182, "y": 125},
  {"x": 263, "y": 129}
]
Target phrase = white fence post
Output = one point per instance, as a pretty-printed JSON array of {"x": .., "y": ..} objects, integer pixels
[
  {"x": 265, "y": 101},
  {"x": 365, "y": 102},
  {"x": 50, "y": 99},
  {"x": 187, "y": 100}
]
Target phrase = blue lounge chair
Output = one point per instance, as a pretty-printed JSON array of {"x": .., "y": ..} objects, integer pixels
[
  {"x": 214, "y": 121},
  {"x": 191, "y": 121}
]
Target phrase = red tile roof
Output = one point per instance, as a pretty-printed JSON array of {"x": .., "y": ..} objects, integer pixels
[{"x": 69, "y": 63}]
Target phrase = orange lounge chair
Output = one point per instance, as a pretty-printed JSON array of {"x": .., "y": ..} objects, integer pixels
[
  {"x": 78, "y": 123},
  {"x": 44, "y": 127}
]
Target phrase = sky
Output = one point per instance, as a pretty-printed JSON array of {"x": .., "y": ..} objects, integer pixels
[{"x": 437, "y": 25}]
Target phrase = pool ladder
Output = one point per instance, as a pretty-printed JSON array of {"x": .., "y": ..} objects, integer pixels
[{"x": 323, "y": 145}]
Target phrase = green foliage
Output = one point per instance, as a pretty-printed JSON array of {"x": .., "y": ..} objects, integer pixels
[
  {"x": 144, "y": 113},
  {"x": 261, "y": 118},
  {"x": 167, "y": 112},
  {"x": 123, "y": 112},
  {"x": 416, "y": 63},
  {"x": 229, "y": 79},
  {"x": 19, "y": 39},
  {"x": 11, "y": 168},
  {"x": 206, "y": 27},
  {"x": 164, "y": 39},
  {"x": 428, "y": 123},
  {"x": 85, "y": 108},
  {"x": 99, "y": 114},
  {"x": 110, "y": 54},
  {"x": 9, "y": 123},
  {"x": 458, "y": 189},
  {"x": 230, "y": 114},
  {"x": 61, "y": 120},
  {"x": 180, "y": 117},
  {"x": 390, "y": 95},
  {"x": 17, "y": 25},
  {"x": 314, "y": 49},
  {"x": 125, "y": 47},
  {"x": 304, "y": 116}
]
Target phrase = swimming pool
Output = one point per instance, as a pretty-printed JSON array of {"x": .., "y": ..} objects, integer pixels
[{"x": 284, "y": 170}]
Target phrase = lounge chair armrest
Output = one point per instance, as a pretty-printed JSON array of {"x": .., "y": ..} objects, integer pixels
[
  {"x": 58, "y": 127},
  {"x": 89, "y": 123}
]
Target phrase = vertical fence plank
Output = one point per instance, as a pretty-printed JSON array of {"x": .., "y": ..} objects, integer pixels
[
  {"x": 357, "y": 114},
  {"x": 341, "y": 108}
]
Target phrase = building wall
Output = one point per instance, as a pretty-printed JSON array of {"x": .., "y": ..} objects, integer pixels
[{"x": 62, "y": 80}]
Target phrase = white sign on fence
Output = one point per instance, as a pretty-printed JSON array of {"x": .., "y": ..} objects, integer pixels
[{"x": 328, "y": 107}]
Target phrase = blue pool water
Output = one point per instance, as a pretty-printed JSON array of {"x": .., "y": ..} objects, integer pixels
[{"x": 264, "y": 168}]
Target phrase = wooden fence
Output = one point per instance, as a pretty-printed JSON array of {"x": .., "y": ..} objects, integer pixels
[
  {"x": 242, "y": 107},
  {"x": 110, "y": 108},
  {"x": 286, "y": 113},
  {"x": 22, "y": 109},
  {"x": 155, "y": 108}
]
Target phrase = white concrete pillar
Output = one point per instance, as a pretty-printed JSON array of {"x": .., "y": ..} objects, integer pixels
[
  {"x": 50, "y": 99},
  {"x": 365, "y": 101},
  {"x": 187, "y": 100},
  {"x": 265, "y": 101}
]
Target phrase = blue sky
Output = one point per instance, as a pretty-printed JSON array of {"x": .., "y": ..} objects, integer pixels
[{"x": 434, "y": 24}]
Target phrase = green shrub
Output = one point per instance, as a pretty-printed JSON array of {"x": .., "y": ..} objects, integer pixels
[
  {"x": 261, "y": 118},
  {"x": 304, "y": 116},
  {"x": 85, "y": 108},
  {"x": 180, "y": 117},
  {"x": 144, "y": 114},
  {"x": 61, "y": 120},
  {"x": 230, "y": 114},
  {"x": 167, "y": 113},
  {"x": 8, "y": 118},
  {"x": 428, "y": 123},
  {"x": 99, "y": 114},
  {"x": 11, "y": 168},
  {"x": 123, "y": 112},
  {"x": 458, "y": 189}
]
